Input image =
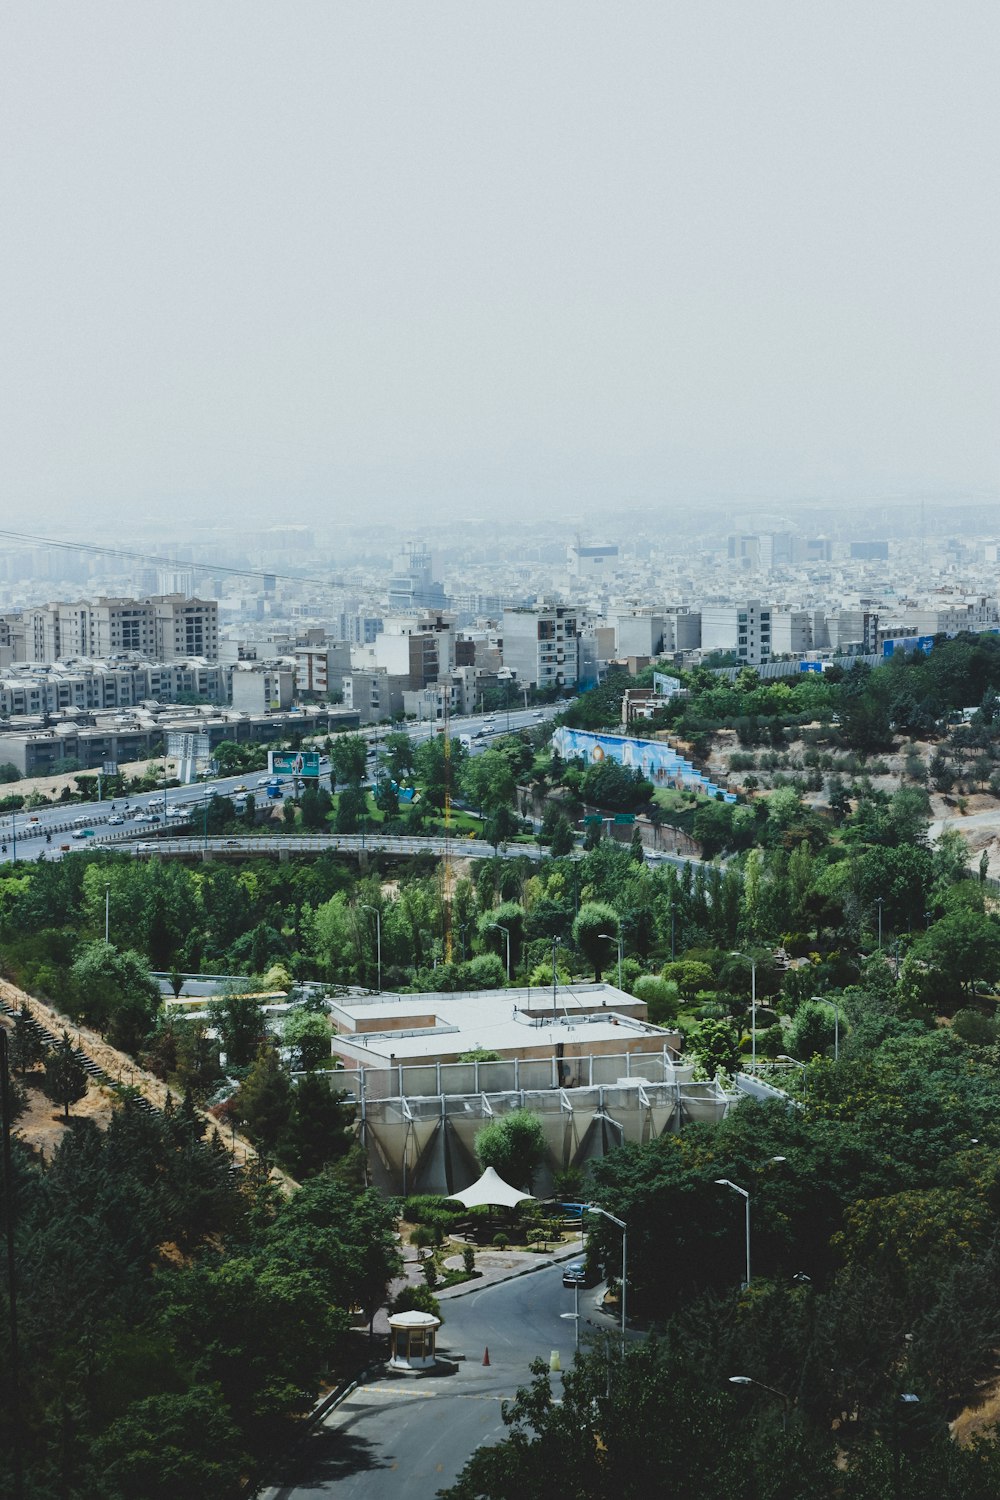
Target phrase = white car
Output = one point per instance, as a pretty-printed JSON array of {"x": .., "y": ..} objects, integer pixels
[{"x": 116, "y": 818}]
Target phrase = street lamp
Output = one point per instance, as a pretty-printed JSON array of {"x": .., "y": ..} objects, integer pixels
[
  {"x": 782, "y": 1395},
  {"x": 575, "y": 1314},
  {"x": 836, "y": 1023},
  {"x": 506, "y": 932},
  {"x": 107, "y": 910},
  {"x": 378, "y": 938},
  {"x": 617, "y": 940},
  {"x": 753, "y": 1009},
  {"x": 725, "y": 1182},
  {"x": 878, "y": 903},
  {"x": 592, "y": 1208}
]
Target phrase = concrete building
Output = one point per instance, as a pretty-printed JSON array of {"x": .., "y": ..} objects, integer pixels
[
  {"x": 743, "y": 628},
  {"x": 540, "y": 645},
  {"x": 639, "y": 632},
  {"x": 412, "y": 586},
  {"x": 319, "y": 668},
  {"x": 258, "y": 687},
  {"x": 591, "y": 563},
  {"x": 420, "y": 648},
  {"x": 374, "y": 694},
  {"x": 162, "y": 627}
]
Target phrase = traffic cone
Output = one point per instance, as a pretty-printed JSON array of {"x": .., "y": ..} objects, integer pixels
[{"x": 486, "y": 1355}]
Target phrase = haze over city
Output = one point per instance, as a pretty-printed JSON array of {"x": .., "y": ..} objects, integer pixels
[{"x": 432, "y": 264}]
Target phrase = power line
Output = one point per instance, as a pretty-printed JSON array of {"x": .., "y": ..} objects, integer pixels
[{"x": 161, "y": 562}]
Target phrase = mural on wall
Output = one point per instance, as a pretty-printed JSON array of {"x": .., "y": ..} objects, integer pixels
[{"x": 658, "y": 761}]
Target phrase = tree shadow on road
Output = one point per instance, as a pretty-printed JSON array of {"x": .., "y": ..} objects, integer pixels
[{"x": 327, "y": 1455}]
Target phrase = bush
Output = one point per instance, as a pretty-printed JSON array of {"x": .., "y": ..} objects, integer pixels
[
  {"x": 424, "y": 1206},
  {"x": 501, "y": 1241},
  {"x": 417, "y": 1299},
  {"x": 974, "y": 1028},
  {"x": 660, "y": 996}
]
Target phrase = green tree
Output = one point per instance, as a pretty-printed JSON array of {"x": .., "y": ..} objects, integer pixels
[
  {"x": 563, "y": 838},
  {"x": 116, "y": 993},
  {"x": 319, "y": 1129},
  {"x": 352, "y": 806},
  {"x": 500, "y": 826},
  {"x": 812, "y": 1031},
  {"x": 263, "y": 1102},
  {"x": 399, "y": 755},
  {"x": 239, "y": 1020},
  {"x": 349, "y": 758},
  {"x": 513, "y": 1145},
  {"x": 962, "y": 948},
  {"x": 27, "y": 1048},
  {"x": 169, "y": 1445},
  {"x": 65, "y": 1079},
  {"x": 716, "y": 1046},
  {"x": 308, "y": 1034},
  {"x": 594, "y": 922}
]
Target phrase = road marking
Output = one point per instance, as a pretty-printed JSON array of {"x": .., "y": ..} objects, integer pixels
[{"x": 385, "y": 1390}]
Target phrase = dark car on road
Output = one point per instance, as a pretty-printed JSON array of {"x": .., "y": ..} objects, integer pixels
[{"x": 578, "y": 1273}]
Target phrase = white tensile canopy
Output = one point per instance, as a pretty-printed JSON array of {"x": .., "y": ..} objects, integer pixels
[{"x": 490, "y": 1189}]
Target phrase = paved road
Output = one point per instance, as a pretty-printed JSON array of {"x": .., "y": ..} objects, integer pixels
[
  {"x": 404, "y": 1438},
  {"x": 23, "y": 834}
]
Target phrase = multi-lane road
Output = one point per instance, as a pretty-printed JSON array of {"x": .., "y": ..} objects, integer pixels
[{"x": 48, "y": 832}]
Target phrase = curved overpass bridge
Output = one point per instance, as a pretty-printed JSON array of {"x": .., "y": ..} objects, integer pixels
[{"x": 355, "y": 844}]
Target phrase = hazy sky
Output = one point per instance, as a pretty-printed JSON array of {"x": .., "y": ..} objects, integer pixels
[{"x": 315, "y": 258}]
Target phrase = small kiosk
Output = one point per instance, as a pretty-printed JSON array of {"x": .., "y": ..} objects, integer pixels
[{"x": 413, "y": 1336}]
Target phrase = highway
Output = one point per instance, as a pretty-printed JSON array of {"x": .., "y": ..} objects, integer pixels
[
  {"x": 405, "y": 1437},
  {"x": 49, "y": 832}
]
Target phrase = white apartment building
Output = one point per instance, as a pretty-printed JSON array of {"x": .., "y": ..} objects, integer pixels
[
  {"x": 743, "y": 627},
  {"x": 36, "y": 689},
  {"x": 261, "y": 686},
  {"x": 163, "y": 627},
  {"x": 318, "y": 669},
  {"x": 540, "y": 645}
]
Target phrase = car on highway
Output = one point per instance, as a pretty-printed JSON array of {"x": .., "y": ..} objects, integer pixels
[
  {"x": 578, "y": 1273},
  {"x": 116, "y": 818},
  {"x": 82, "y": 833},
  {"x": 241, "y": 788}
]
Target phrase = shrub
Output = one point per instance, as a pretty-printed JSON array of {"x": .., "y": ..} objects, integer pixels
[{"x": 501, "y": 1240}]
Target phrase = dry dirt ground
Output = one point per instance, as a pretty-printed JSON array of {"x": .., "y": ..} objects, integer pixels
[
  {"x": 976, "y": 815},
  {"x": 43, "y": 1125},
  {"x": 51, "y": 786}
]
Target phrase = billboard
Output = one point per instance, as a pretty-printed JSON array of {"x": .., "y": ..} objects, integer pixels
[{"x": 303, "y": 764}]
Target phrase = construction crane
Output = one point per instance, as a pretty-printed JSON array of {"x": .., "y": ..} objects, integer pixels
[{"x": 446, "y": 871}]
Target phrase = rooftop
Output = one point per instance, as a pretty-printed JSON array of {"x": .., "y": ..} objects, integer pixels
[{"x": 511, "y": 1022}]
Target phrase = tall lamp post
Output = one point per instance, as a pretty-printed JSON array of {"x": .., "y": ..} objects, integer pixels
[
  {"x": 725, "y": 1182},
  {"x": 378, "y": 938},
  {"x": 498, "y": 926},
  {"x": 107, "y": 910},
  {"x": 878, "y": 903},
  {"x": 617, "y": 940},
  {"x": 592, "y": 1208},
  {"x": 782, "y": 1395}
]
